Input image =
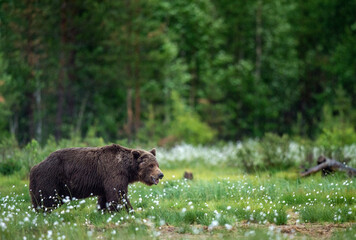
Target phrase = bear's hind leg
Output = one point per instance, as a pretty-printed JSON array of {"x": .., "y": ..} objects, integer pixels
[
  {"x": 35, "y": 199},
  {"x": 49, "y": 201}
]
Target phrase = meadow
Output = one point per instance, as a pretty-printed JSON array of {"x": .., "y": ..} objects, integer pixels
[{"x": 222, "y": 201}]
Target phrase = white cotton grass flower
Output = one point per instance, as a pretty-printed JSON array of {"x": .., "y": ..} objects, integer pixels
[
  {"x": 189, "y": 153},
  {"x": 215, "y": 155},
  {"x": 228, "y": 226},
  {"x": 3, "y": 226},
  {"x": 49, "y": 233},
  {"x": 213, "y": 224},
  {"x": 162, "y": 222}
]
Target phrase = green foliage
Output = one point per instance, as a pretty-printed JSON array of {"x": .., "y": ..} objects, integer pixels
[
  {"x": 15, "y": 159},
  {"x": 248, "y": 157},
  {"x": 337, "y": 136},
  {"x": 315, "y": 213},
  {"x": 272, "y": 152},
  {"x": 5, "y": 78},
  {"x": 8, "y": 156},
  {"x": 337, "y": 128},
  {"x": 276, "y": 151},
  {"x": 278, "y": 216},
  {"x": 242, "y": 68},
  {"x": 31, "y": 155},
  {"x": 9, "y": 167},
  {"x": 186, "y": 125}
]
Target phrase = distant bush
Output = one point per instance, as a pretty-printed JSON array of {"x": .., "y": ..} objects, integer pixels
[
  {"x": 9, "y": 167},
  {"x": 9, "y": 151},
  {"x": 247, "y": 156},
  {"x": 338, "y": 127},
  {"x": 275, "y": 151},
  {"x": 337, "y": 136},
  {"x": 14, "y": 159},
  {"x": 280, "y": 153},
  {"x": 31, "y": 154},
  {"x": 332, "y": 141},
  {"x": 187, "y": 126},
  {"x": 272, "y": 152}
]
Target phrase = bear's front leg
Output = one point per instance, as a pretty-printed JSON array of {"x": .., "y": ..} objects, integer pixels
[
  {"x": 102, "y": 202},
  {"x": 116, "y": 199}
]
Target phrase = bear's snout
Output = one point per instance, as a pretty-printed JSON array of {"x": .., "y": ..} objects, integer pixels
[{"x": 157, "y": 176}]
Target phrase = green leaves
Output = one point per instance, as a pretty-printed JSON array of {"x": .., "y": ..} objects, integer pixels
[
  {"x": 186, "y": 125},
  {"x": 243, "y": 68}
]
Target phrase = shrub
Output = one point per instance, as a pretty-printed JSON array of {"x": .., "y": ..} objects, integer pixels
[
  {"x": 8, "y": 153},
  {"x": 187, "y": 126},
  {"x": 333, "y": 140},
  {"x": 248, "y": 156},
  {"x": 338, "y": 128},
  {"x": 31, "y": 154},
  {"x": 275, "y": 151},
  {"x": 9, "y": 167},
  {"x": 272, "y": 151}
]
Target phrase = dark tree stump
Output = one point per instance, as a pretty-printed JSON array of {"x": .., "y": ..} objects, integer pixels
[{"x": 188, "y": 175}]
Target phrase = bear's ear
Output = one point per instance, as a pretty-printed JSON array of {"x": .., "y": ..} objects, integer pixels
[
  {"x": 136, "y": 154},
  {"x": 153, "y": 151}
]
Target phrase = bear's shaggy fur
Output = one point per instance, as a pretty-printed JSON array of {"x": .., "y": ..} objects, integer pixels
[{"x": 82, "y": 172}]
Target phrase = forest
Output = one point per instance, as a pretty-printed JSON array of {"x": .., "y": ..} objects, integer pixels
[{"x": 163, "y": 71}]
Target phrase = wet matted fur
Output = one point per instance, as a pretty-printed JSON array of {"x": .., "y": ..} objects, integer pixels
[{"x": 83, "y": 172}]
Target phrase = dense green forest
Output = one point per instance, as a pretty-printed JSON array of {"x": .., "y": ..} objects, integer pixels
[{"x": 182, "y": 70}]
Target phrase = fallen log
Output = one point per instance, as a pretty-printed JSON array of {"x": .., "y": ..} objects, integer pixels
[{"x": 328, "y": 166}]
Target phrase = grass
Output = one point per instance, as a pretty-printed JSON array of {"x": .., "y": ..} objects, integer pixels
[{"x": 219, "y": 202}]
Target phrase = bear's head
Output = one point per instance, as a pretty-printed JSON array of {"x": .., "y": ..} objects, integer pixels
[{"x": 148, "y": 168}]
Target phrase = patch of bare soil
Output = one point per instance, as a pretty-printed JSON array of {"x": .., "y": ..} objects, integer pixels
[
  {"x": 172, "y": 233},
  {"x": 292, "y": 229},
  {"x": 310, "y": 230},
  {"x": 323, "y": 231},
  {"x": 314, "y": 230}
]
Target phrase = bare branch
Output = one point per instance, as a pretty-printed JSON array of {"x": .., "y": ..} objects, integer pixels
[{"x": 329, "y": 165}]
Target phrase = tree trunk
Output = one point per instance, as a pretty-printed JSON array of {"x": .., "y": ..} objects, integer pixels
[
  {"x": 137, "y": 73},
  {"x": 14, "y": 124},
  {"x": 128, "y": 127},
  {"x": 62, "y": 71},
  {"x": 258, "y": 40},
  {"x": 167, "y": 96},
  {"x": 81, "y": 114},
  {"x": 38, "y": 111},
  {"x": 195, "y": 83},
  {"x": 30, "y": 57},
  {"x": 137, "y": 86},
  {"x": 137, "y": 107}
]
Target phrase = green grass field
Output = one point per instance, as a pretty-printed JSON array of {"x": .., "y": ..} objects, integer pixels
[{"x": 218, "y": 203}]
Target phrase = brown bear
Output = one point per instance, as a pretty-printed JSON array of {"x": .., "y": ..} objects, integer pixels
[{"x": 93, "y": 171}]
